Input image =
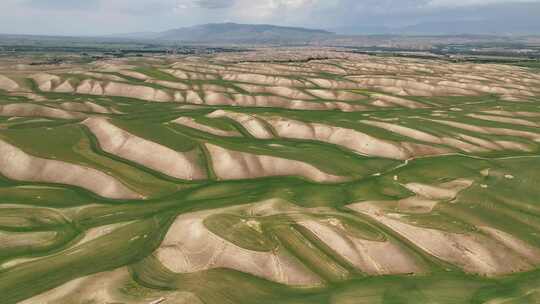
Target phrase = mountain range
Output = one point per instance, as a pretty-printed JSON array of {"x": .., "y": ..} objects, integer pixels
[{"x": 236, "y": 33}]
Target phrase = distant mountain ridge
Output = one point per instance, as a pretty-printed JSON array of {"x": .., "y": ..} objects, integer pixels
[{"x": 237, "y": 33}]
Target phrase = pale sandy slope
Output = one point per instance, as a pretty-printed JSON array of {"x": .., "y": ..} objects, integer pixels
[
  {"x": 252, "y": 124},
  {"x": 230, "y": 164},
  {"x": 487, "y": 251},
  {"x": 371, "y": 257},
  {"x": 119, "y": 142},
  {"x": 191, "y": 123},
  {"x": 473, "y": 252},
  {"x": 86, "y": 106},
  {"x": 352, "y": 139},
  {"x": 34, "y": 110},
  {"x": 189, "y": 247},
  {"x": 465, "y": 143},
  {"x": 7, "y": 84},
  {"x": 106, "y": 287},
  {"x": 18, "y": 165}
]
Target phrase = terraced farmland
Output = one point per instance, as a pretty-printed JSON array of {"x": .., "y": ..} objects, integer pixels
[{"x": 281, "y": 179}]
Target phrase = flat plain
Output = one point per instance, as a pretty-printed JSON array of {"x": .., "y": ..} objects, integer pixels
[{"x": 269, "y": 177}]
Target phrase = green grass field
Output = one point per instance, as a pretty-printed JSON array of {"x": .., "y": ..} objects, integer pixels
[{"x": 55, "y": 244}]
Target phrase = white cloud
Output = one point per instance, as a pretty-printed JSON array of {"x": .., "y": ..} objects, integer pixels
[
  {"x": 107, "y": 16},
  {"x": 250, "y": 10},
  {"x": 206, "y": 4},
  {"x": 457, "y": 3}
]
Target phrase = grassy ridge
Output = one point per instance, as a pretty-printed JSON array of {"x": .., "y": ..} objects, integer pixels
[{"x": 54, "y": 219}]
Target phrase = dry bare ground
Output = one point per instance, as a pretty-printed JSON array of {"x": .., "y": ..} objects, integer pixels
[
  {"x": 416, "y": 139},
  {"x": 18, "y": 165},
  {"x": 493, "y": 254},
  {"x": 191, "y": 123},
  {"x": 190, "y": 247},
  {"x": 357, "y": 141},
  {"x": 147, "y": 153},
  {"x": 230, "y": 164}
]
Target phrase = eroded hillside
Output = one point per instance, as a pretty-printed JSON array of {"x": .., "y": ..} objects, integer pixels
[{"x": 269, "y": 177}]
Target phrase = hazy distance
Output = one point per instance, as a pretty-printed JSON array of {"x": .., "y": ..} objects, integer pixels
[{"x": 105, "y": 17}]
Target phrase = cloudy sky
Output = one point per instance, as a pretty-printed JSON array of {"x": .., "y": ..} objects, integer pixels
[{"x": 96, "y": 17}]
